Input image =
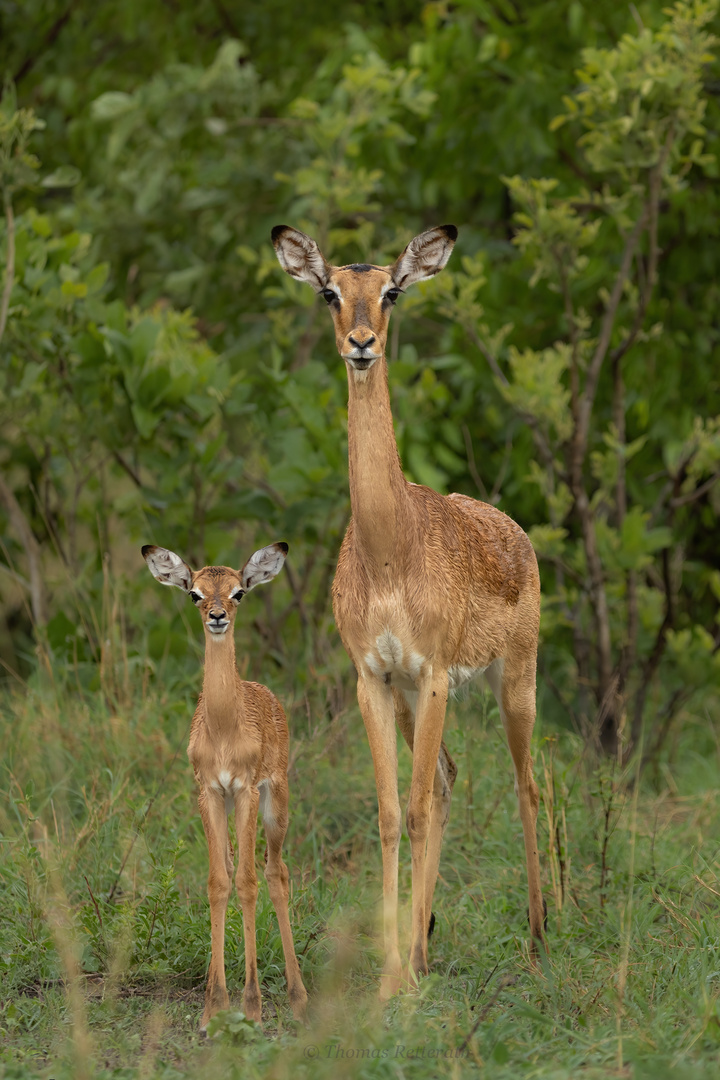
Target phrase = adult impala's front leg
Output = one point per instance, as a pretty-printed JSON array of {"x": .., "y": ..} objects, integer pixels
[
  {"x": 445, "y": 774},
  {"x": 376, "y": 706},
  {"x": 429, "y": 721}
]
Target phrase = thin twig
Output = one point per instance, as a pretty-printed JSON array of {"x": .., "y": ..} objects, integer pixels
[
  {"x": 128, "y": 468},
  {"x": 95, "y": 903},
  {"x": 504, "y": 982},
  {"x": 693, "y": 496},
  {"x": 472, "y": 467}
]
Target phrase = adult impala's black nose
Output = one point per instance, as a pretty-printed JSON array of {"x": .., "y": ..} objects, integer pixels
[{"x": 361, "y": 344}]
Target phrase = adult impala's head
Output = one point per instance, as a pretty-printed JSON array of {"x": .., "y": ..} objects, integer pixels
[
  {"x": 215, "y": 590},
  {"x": 361, "y": 297}
]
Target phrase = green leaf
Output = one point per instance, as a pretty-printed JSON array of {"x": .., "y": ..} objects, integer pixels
[
  {"x": 111, "y": 105},
  {"x": 63, "y": 177}
]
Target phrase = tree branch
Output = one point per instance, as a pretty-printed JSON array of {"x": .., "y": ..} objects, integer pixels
[
  {"x": 653, "y": 661},
  {"x": 50, "y": 38},
  {"x": 32, "y": 551},
  {"x": 128, "y": 468},
  {"x": 541, "y": 442},
  {"x": 9, "y": 263},
  {"x": 591, "y": 382}
]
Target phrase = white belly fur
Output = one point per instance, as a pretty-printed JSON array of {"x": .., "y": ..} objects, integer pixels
[
  {"x": 403, "y": 667},
  {"x": 390, "y": 660}
]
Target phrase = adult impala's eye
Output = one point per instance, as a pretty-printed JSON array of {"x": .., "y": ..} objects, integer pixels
[
  {"x": 329, "y": 295},
  {"x": 195, "y": 597}
]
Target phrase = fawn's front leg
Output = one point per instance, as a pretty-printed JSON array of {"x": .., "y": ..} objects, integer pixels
[
  {"x": 214, "y": 819},
  {"x": 246, "y": 811}
]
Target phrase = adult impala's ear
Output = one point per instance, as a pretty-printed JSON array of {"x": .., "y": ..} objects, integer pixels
[
  {"x": 168, "y": 567},
  {"x": 424, "y": 256},
  {"x": 263, "y": 565},
  {"x": 300, "y": 256}
]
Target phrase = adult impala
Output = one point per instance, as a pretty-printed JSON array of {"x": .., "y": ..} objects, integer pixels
[{"x": 430, "y": 591}]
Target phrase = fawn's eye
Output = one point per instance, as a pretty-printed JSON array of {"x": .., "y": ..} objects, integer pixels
[
  {"x": 392, "y": 295},
  {"x": 195, "y": 597},
  {"x": 329, "y": 295},
  {"x": 236, "y": 595}
]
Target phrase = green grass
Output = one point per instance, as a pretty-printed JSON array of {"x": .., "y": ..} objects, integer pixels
[{"x": 99, "y": 801}]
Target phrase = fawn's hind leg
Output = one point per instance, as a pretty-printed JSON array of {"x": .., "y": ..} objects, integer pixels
[
  {"x": 274, "y": 809},
  {"x": 246, "y": 811}
]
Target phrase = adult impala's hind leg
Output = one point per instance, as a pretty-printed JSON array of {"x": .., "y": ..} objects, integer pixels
[
  {"x": 246, "y": 811},
  {"x": 513, "y": 684},
  {"x": 445, "y": 774},
  {"x": 214, "y": 819},
  {"x": 274, "y": 810}
]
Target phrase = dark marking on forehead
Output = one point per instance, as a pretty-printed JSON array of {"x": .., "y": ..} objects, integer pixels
[
  {"x": 363, "y": 268},
  {"x": 216, "y": 572}
]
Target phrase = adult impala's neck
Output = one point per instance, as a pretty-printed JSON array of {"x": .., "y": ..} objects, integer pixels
[
  {"x": 222, "y": 707},
  {"x": 378, "y": 489}
]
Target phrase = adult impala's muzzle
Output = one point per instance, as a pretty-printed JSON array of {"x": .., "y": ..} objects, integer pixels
[{"x": 360, "y": 348}]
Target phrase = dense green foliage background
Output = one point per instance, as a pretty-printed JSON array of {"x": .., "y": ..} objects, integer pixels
[{"x": 162, "y": 380}]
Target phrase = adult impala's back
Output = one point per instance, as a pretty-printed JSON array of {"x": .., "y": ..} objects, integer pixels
[{"x": 430, "y": 591}]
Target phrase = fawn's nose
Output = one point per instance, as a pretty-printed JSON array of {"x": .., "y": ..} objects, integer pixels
[{"x": 218, "y": 614}]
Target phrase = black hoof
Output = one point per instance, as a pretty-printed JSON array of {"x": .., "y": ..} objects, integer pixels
[{"x": 431, "y": 925}]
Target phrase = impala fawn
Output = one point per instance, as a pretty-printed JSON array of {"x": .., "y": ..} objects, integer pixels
[{"x": 239, "y": 750}]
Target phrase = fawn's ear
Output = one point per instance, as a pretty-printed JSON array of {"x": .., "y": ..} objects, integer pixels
[
  {"x": 168, "y": 567},
  {"x": 300, "y": 257},
  {"x": 263, "y": 565},
  {"x": 424, "y": 256}
]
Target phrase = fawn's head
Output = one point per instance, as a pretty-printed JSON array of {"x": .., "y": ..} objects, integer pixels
[
  {"x": 361, "y": 297},
  {"x": 215, "y": 590}
]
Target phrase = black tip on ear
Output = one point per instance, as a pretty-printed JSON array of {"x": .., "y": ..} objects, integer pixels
[
  {"x": 283, "y": 546},
  {"x": 450, "y": 231},
  {"x": 277, "y": 232},
  {"x": 147, "y": 549}
]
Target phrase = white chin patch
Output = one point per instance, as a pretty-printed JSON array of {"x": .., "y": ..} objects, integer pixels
[
  {"x": 217, "y": 631},
  {"x": 360, "y": 374}
]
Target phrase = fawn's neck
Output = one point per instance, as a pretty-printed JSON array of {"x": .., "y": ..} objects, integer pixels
[{"x": 223, "y": 711}]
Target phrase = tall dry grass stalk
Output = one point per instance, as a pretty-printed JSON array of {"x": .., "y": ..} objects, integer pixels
[
  {"x": 58, "y": 915},
  {"x": 558, "y": 848},
  {"x": 626, "y": 915}
]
